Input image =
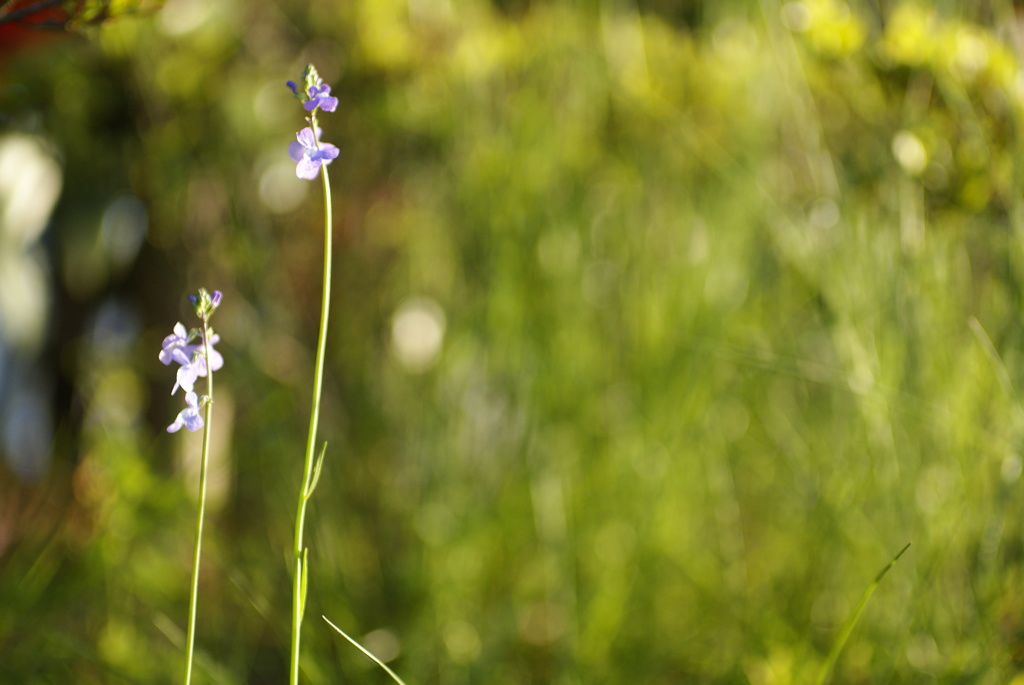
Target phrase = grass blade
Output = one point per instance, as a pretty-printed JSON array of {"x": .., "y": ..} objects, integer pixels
[
  {"x": 365, "y": 651},
  {"x": 844, "y": 634}
]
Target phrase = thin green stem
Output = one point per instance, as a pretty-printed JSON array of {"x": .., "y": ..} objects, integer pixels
[
  {"x": 299, "y": 550},
  {"x": 203, "y": 463}
]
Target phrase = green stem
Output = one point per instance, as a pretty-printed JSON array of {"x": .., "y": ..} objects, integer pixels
[
  {"x": 204, "y": 462},
  {"x": 299, "y": 551}
]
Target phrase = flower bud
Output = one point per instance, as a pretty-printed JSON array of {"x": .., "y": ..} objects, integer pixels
[
  {"x": 310, "y": 77},
  {"x": 203, "y": 303}
]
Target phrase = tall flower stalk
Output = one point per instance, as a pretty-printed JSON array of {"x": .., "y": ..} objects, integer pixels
[
  {"x": 195, "y": 360},
  {"x": 312, "y": 156}
]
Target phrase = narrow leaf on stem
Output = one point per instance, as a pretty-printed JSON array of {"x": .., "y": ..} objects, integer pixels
[
  {"x": 305, "y": 583},
  {"x": 316, "y": 472}
]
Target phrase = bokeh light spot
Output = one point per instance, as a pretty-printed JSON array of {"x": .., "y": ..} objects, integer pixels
[
  {"x": 462, "y": 641},
  {"x": 383, "y": 644},
  {"x": 910, "y": 152},
  {"x": 417, "y": 332},
  {"x": 281, "y": 191}
]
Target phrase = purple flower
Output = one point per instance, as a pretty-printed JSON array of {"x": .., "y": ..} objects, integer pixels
[
  {"x": 308, "y": 155},
  {"x": 188, "y": 417},
  {"x": 314, "y": 93},
  {"x": 320, "y": 96},
  {"x": 175, "y": 342},
  {"x": 199, "y": 360},
  {"x": 190, "y": 356}
]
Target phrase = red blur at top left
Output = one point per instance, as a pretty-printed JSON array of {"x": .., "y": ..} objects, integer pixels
[{"x": 36, "y": 22}]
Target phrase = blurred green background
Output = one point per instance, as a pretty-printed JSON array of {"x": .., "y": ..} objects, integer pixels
[{"x": 659, "y": 327}]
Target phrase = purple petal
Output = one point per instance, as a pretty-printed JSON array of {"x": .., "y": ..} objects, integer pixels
[
  {"x": 185, "y": 416},
  {"x": 307, "y": 169},
  {"x": 170, "y": 341},
  {"x": 305, "y": 136},
  {"x": 291, "y": 84},
  {"x": 193, "y": 421},
  {"x": 328, "y": 151},
  {"x": 320, "y": 96},
  {"x": 175, "y": 341},
  {"x": 296, "y": 151},
  {"x": 216, "y": 297},
  {"x": 186, "y": 378},
  {"x": 328, "y": 103},
  {"x": 189, "y": 417},
  {"x": 179, "y": 355}
]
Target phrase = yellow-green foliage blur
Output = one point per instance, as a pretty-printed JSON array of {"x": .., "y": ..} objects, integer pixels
[{"x": 658, "y": 328}]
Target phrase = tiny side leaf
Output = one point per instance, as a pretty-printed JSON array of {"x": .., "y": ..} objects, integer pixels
[
  {"x": 304, "y": 584},
  {"x": 316, "y": 472}
]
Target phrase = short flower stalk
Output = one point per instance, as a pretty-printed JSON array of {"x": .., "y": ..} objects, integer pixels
[{"x": 195, "y": 360}]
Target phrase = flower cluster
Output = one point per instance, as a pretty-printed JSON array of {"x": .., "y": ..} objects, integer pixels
[
  {"x": 308, "y": 151},
  {"x": 316, "y": 93},
  {"x": 187, "y": 349}
]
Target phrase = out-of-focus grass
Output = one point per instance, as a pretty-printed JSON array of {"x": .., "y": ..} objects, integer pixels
[{"x": 656, "y": 335}]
